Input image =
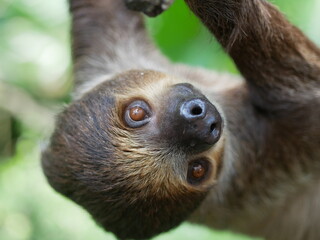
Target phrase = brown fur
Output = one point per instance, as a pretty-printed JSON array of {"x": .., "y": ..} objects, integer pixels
[{"x": 133, "y": 181}]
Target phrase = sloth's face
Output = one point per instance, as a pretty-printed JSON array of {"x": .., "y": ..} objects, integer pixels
[{"x": 139, "y": 153}]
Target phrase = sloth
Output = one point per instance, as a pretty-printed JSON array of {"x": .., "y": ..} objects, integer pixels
[{"x": 147, "y": 144}]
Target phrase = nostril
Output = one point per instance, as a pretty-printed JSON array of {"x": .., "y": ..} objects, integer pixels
[
  {"x": 213, "y": 127},
  {"x": 196, "y": 110},
  {"x": 193, "y": 109}
]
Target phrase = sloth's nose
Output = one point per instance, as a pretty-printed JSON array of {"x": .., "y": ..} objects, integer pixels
[{"x": 201, "y": 124}]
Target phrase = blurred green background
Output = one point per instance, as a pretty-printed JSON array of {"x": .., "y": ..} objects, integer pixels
[{"x": 35, "y": 81}]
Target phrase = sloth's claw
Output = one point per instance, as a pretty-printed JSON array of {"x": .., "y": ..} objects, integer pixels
[{"x": 151, "y": 8}]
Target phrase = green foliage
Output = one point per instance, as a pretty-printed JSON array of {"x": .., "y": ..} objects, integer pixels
[
  {"x": 35, "y": 56},
  {"x": 34, "y": 46},
  {"x": 181, "y": 37}
]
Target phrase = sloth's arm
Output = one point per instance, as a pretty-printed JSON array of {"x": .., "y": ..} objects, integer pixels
[
  {"x": 281, "y": 65},
  {"x": 107, "y": 39},
  {"x": 282, "y": 70}
]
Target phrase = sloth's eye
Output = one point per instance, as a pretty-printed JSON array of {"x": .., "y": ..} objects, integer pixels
[
  {"x": 198, "y": 171},
  {"x": 137, "y": 114}
]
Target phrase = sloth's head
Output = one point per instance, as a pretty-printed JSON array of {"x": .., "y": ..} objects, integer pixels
[{"x": 139, "y": 152}]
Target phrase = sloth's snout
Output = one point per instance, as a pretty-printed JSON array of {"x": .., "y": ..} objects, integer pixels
[
  {"x": 190, "y": 121},
  {"x": 200, "y": 124}
]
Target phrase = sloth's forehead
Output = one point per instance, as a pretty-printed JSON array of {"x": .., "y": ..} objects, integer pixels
[
  {"x": 155, "y": 88},
  {"x": 150, "y": 85}
]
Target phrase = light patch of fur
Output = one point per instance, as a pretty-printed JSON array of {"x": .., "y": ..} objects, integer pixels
[
  {"x": 129, "y": 53},
  {"x": 208, "y": 81},
  {"x": 312, "y": 57},
  {"x": 89, "y": 85},
  {"x": 205, "y": 80},
  {"x": 299, "y": 212},
  {"x": 152, "y": 85}
]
